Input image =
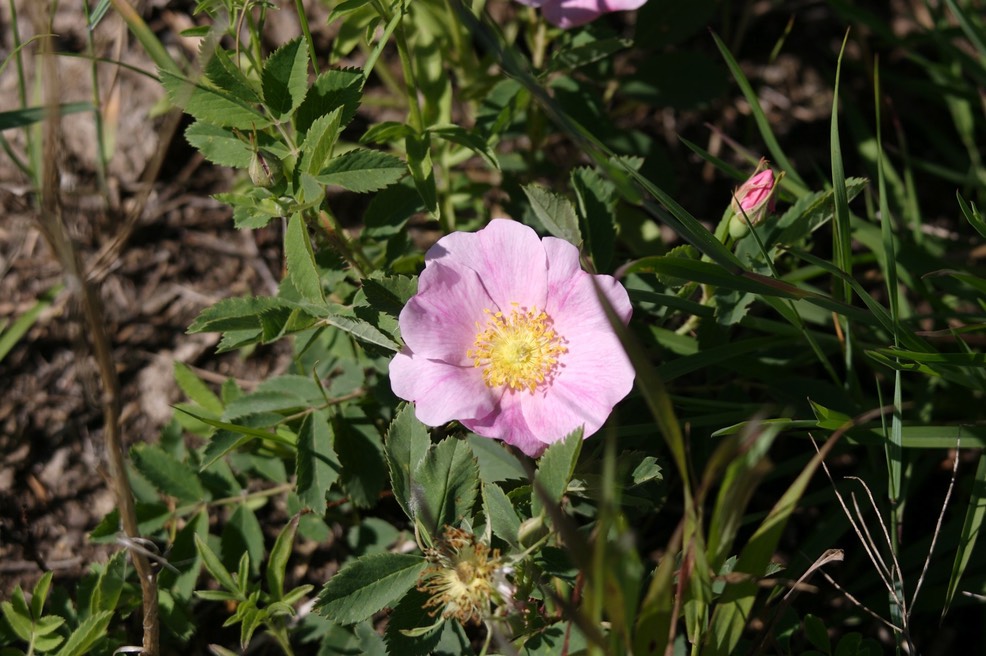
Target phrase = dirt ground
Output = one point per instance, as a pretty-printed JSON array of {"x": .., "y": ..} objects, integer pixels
[{"x": 159, "y": 250}]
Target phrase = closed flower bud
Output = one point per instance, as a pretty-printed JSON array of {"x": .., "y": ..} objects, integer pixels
[
  {"x": 264, "y": 170},
  {"x": 753, "y": 200}
]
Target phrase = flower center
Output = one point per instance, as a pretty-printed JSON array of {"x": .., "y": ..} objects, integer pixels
[{"x": 519, "y": 350}]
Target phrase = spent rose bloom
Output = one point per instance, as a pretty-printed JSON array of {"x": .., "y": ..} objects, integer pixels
[
  {"x": 507, "y": 335},
  {"x": 572, "y": 13}
]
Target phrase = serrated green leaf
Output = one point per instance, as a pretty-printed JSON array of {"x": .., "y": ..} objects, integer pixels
[
  {"x": 210, "y": 104},
  {"x": 366, "y": 585},
  {"x": 40, "y": 594},
  {"x": 412, "y": 630},
  {"x": 216, "y": 567},
  {"x": 462, "y": 137},
  {"x": 555, "y": 471},
  {"x": 219, "y": 145},
  {"x": 386, "y": 132},
  {"x": 418, "y": 149},
  {"x": 285, "y": 78},
  {"x": 168, "y": 475},
  {"x": 236, "y": 314},
  {"x": 279, "y": 555},
  {"x": 18, "y": 615},
  {"x": 406, "y": 445},
  {"x": 47, "y": 625},
  {"x": 300, "y": 259},
  {"x": 596, "y": 204},
  {"x": 346, "y": 7},
  {"x": 196, "y": 390},
  {"x": 243, "y": 536},
  {"x": 569, "y": 59},
  {"x": 363, "y": 170},
  {"x": 389, "y": 293},
  {"x": 495, "y": 462},
  {"x": 555, "y": 212},
  {"x": 226, "y": 75},
  {"x": 185, "y": 558},
  {"x": 85, "y": 636},
  {"x": 501, "y": 514},
  {"x": 250, "y": 620},
  {"x": 361, "y": 330},
  {"x": 364, "y": 472},
  {"x": 333, "y": 89},
  {"x": 809, "y": 213},
  {"x": 320, "y": 139},
  {"x": 317, "y": 467},
  {"x": 445, "y": 484},
  {"x": 109, "y": 584}
]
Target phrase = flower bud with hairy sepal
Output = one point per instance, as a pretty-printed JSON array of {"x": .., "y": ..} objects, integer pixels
[
  {"x": 264, "y": 170},
  {"x": 753, "y": 200}
]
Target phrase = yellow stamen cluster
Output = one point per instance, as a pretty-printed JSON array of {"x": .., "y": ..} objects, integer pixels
[
  {"x": 519, "y": 350},
  {"x": 462, "y": 577}
]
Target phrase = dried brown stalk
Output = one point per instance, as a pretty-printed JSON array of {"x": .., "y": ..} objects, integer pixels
[{"x": 52, "y": 225}]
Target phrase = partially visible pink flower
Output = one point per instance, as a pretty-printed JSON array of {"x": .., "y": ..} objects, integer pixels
[
  {"x": 507, "y": 335},
  {"x": 572, "y": 13}
]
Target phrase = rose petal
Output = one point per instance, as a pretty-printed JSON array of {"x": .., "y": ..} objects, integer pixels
[
  {"x": 440, "y": 322},
  {"x": 595, "y": 374},
  {"x": 572, "y": 13},
  {"x": 573, "y": 303},
  {"x": 440, "y": 392},
  {"x": 507, "y": 423},
  {"x": 507, "y": 256}
]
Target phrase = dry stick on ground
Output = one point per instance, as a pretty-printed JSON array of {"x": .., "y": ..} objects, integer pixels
[{"x": 51, "y": 223}]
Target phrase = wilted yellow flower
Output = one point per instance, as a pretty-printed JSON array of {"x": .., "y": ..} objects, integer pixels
[{"x": 464, "y": 577}]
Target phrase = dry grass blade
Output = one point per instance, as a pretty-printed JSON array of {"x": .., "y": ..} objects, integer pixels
[{"x": 941, "y": 517}]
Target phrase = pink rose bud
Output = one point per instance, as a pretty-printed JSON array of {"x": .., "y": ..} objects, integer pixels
[{"x": 753, "y": 200}]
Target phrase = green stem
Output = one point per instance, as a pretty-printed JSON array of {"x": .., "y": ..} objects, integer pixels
[
  {"x": 97, "y": 112},
  {"x": 415, "y": 117},
  {"x": 152, "y": 45},
  {"x": 303, "y": 19},
  {"x": 336, "y": 236}
]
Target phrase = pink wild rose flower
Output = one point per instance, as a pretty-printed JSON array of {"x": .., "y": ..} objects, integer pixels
[
  {"x": 507, "y": 335},
  {"x": 572, "y": 13}
]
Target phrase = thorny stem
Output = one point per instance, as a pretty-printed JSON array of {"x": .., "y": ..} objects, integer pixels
[{"x": 53, "y": 227}]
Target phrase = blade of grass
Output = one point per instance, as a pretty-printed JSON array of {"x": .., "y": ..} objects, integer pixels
[
  {"x": 974, "y": 515},
  {"x": 776, "y": 152},
  {"x": 893, "y": 446},
  {"x": 733, "y": 614},
  {"x": 152, "y": 45},
  {"x": 11, "y": 335}
]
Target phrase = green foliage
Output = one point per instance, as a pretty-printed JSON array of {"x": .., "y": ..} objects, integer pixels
[{"x": 849, "y": 315}]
